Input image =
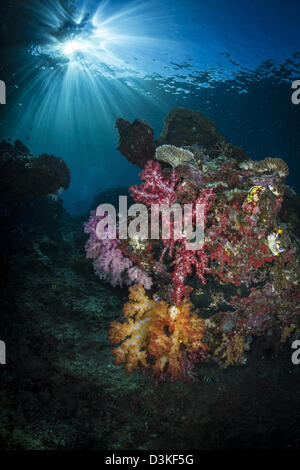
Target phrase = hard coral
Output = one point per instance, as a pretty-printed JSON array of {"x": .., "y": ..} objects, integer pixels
[
  {"x": 268, "y": 165},
  {"x": 173, "y": 155},
  {"x": 272, "y": 165}
]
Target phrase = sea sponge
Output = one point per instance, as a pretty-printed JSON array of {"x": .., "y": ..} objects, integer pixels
[{"x": 175, "y": 156}]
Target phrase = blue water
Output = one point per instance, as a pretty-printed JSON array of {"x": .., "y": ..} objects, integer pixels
[{"x": 235, "y": 61}]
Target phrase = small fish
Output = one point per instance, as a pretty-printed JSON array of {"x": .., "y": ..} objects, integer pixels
[
  {"x": 208, "y": 379},
  {"x": 274, "y": 241},
  {"x": 274, "y": 189},
  {"x": 253, "y": 194},
  {"x": 244, "y": 360}
]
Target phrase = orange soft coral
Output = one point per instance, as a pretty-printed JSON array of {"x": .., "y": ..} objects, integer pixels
[
  {"x": 134, "y": 332},
  {"x": 157, "y": 335},
  {"x": 173, "y": 333}
]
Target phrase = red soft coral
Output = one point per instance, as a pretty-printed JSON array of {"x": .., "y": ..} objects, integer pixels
[
  {"x": 156, "y": 188},
  {"x": 186, "y": 259},
  {"x": 184, "y": 262}
]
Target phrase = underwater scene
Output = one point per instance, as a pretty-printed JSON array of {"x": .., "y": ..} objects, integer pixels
[{"x": 150, "y": 226}]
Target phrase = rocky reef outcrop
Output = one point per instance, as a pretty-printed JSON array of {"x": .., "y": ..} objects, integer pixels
[
  {"x": 30, "y": 188},
  {"x": 209, "y": 302},
  {"x": 182, "y": 127},
  {"x": 24, "y": 176}
]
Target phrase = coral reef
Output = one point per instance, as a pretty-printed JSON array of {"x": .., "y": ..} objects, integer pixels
[
  {"x": 240, "y": 283},
  {"x": 62, "y": 391},
  {"x": 182, "y": 128}
]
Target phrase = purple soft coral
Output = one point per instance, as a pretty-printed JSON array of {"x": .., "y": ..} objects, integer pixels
[{"x": 109, "y": 262}]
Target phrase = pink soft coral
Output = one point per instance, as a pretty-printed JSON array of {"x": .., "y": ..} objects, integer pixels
[
  {"x": 109, "y": 262},
  {"x": 156, "y": 188}
]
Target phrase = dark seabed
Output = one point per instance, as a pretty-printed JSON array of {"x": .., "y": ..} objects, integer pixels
[{"x": 143, "y": 344}]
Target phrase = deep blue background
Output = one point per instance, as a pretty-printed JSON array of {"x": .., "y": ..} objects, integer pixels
[{"x": 206, "y": 55}]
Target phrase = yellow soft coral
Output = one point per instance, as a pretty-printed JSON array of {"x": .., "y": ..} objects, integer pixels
[
  {"x": 156, "y": 330},
  {"x": 134, "y": 332},
  {"x": 231, "y": 350},
  {"x": 172, "y": 331}
]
